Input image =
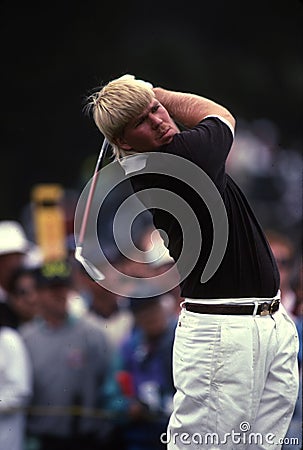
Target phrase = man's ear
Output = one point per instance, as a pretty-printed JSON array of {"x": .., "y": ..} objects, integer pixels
[{"x": 120, "y": 142}]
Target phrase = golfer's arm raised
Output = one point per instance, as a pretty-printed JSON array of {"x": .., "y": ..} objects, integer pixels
[{"x": 189, "y": 109}]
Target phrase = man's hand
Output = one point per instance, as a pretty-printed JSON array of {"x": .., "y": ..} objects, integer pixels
[{"x": 189, "y": 109}]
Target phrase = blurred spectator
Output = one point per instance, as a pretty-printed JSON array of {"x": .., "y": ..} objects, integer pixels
[
  {"x": 70, "y": 358},
  {"x": 295, "y": 428},
  {"x": 77, "y": 303},
  {"x": 159, "y": 263},
  {"x": 284, "y": 252},
  {"x": 272, "y": 193},
  {"x": 111, "y": 312},
  {"x": 13, "y": 247},
  {"x": 22, "y": 296},
  {"x": 15, "y": 388},
  {"x": 145, "y": 375}
]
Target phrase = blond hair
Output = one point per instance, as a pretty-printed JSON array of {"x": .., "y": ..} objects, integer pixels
[{"x": 116, "y": 104}]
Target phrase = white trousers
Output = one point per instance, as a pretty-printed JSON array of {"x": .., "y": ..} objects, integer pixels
[{"x": 236, "y": 381}]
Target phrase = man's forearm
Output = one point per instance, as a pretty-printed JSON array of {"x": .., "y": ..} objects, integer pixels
[{"x": 189, "y": 109}]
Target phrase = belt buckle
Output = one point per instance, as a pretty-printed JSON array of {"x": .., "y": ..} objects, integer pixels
[
  {"x": 269, "y": 308},
  {"x": 274, "y": 306}
]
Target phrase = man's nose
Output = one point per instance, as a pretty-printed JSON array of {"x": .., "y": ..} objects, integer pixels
[{"x": 155, "y": 121}]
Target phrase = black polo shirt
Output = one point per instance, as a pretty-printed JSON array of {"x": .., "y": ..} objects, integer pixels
[{"x": 248, "y": 268}]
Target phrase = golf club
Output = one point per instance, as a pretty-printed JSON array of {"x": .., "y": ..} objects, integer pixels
[{"x": 92, "y": 270}]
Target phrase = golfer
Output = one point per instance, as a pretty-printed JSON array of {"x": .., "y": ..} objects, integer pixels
[{"x": 235, "y": 349}]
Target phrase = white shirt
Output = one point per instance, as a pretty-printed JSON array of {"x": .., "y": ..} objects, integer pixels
[{"x": 15, "y": 388}]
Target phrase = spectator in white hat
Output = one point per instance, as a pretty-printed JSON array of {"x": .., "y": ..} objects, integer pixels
[{"x": 13, "y": 248}]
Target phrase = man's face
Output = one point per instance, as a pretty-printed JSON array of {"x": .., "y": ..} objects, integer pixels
[
  {"x": 53, "y": 300},
  {"x": 8, "y": 264},
  {"x": 148, "y": 131},
  {"x": 152, "y": 320},
  {"x": 25, "y": 297}
]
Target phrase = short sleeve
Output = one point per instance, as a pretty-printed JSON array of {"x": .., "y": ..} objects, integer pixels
[{"x": 207, "y": 145}]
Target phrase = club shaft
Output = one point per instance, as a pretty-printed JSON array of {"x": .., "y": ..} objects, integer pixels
[{"x": 91, "y": 193}]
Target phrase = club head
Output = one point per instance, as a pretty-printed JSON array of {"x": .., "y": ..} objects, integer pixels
[{"x": 92, "y": 270}]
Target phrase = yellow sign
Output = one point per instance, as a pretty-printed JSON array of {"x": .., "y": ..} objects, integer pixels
[{"x": 49, "y": 221}]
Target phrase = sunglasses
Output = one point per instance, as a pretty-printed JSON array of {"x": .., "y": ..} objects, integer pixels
[{"x": 21, "y": 292}]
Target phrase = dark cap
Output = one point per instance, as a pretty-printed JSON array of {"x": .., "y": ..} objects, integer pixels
[{"x": 54, "y": 273}]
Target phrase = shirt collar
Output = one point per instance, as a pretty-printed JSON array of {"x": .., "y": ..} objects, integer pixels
[{"x": 133, "y": 163}]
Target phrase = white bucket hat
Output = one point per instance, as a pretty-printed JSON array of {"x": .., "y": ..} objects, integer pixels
[{"x": 12, "y": 238}]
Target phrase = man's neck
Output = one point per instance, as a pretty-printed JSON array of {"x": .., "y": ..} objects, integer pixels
[{"x": 54, "y": 321}]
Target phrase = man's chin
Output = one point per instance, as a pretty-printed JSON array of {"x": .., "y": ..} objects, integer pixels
[{"x": 167, "y": 137}]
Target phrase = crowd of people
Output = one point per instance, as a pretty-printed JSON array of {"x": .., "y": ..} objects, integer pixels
[{"x": 83, "y": 368}]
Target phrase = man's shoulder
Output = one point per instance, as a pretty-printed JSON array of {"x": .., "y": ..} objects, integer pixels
[
  {"x": 90, "y": 320},
  {"x": 12, "y": 346},
  {"x": 29, "y": 329},
  {"x": 92, "y": 326},
  {"x": 9, "y": 335}
]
